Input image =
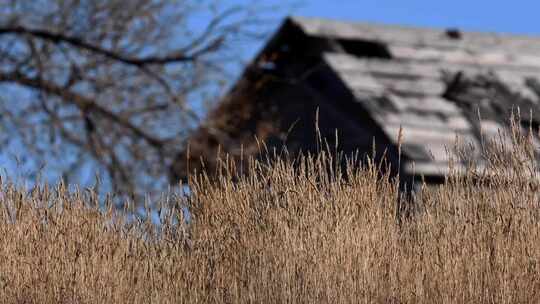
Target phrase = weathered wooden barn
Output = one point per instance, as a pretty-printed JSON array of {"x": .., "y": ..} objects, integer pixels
[{"x": 363, "y": 82}]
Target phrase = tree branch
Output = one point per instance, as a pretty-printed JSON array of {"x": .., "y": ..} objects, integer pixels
[
  {"x": 139, "y": 62},
  {"x": 83, "y": 103}
]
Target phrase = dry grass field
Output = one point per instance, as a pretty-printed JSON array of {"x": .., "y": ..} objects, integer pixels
[{"x": 278, "y": 236}]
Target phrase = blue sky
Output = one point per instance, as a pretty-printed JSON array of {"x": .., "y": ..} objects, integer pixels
[{"x": 499, "y": 16}]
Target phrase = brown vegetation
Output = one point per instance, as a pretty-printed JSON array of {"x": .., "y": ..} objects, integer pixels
[{"x": 279, "y": 236}]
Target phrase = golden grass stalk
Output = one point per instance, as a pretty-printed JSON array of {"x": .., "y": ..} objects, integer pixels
[{"x": 281, "y": 234}]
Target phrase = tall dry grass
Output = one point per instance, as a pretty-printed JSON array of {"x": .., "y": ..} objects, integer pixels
[{"x": 278, "y": 236}]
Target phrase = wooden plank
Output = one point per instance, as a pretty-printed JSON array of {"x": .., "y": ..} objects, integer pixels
[
  {"x": 458, "y": 122},
  {"x": 435, "y": 151},
  {"x": 367, "y": 96},
  {"x": 437, "y": 142},
  {"x": 407, "y": 87},
  {"x": 462, "y": 56},
  {"x": 410, "y": 119},
  {"x": 427, "y": 168},
  {"x": 374, "y": 103},
  {"x": 380, "y": 68},
  {"x": 440, "y": 151},
  {"x": 344, "y": 62},
  {"x": 516, "y": 83},
  {"x": 334, "y": 28},
  {"x": 400, "y": 68},
  {"x": 432, "y": 168},
  {"x": 426, "y": 120},
  {"x": 433, "y": 104},
  {"x": 491, "y": 128},
  {"x": 361, "y": 81},
  {"x": 420, "y": 135},
  {"x": 443, "y": 152}
]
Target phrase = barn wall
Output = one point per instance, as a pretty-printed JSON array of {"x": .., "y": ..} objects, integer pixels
[{"x": 279, "y": 114}]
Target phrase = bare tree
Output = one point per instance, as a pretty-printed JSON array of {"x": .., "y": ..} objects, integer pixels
[{"x": 112, "y": 87}]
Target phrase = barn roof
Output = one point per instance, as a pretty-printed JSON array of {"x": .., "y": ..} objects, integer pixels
[{"x": 434, "y": 83}]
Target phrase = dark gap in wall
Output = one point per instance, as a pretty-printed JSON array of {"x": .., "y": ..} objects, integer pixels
[
  {"x": 365, "y": 48},
  {"x": 453, "y": 33}
]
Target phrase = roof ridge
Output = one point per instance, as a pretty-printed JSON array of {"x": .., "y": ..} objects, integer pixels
[{"x": 302, "y": 20}]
